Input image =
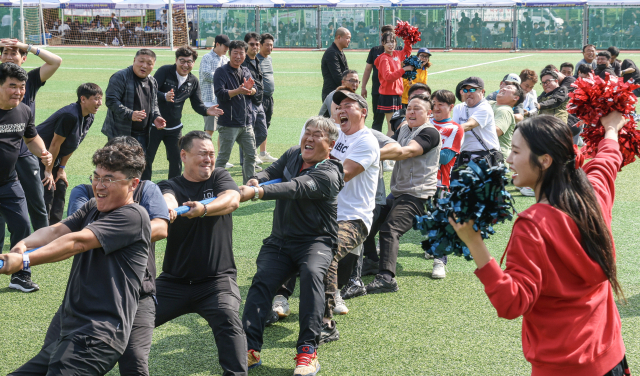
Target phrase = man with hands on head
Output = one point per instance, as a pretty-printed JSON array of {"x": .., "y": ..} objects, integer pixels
[
  {"x": 199, "y": 271},
  {"x": 176, "y": 84},
  {"x": 304, "y": 238},
  {"x": 16, "y": 126},
  {"x": 132, "y": 105},
  {"x": 109, "y": 238},
  {"x": 14, "y": 51}
]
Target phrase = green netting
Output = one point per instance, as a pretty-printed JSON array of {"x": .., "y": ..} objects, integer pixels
[
  {"x": 234, "y": 22},
  {"x": 482, "y": 28},
  {"x": 544, "y": 28},
  {"x": 431, "y": 22},
  {"x": 363, "y": 24},
  {"x": 614, "y": 27},
  {"x": 291, "y": 27}
]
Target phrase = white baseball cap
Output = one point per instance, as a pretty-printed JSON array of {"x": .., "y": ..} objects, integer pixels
[{"x": 512, "y": 77}]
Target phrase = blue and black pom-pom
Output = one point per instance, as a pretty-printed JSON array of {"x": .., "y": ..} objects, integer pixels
[
  {"x": 480, "y": 195},
  {"x": 414, "y": 62}
]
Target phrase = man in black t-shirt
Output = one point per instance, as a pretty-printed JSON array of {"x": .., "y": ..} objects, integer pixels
[
  {"x": 199, "y": 271},
  {"x": 109, "y": 238},
  {"x": 14, "y": 51},
  {"x": 16, "y": 125},
  {"x": 378, "y": 118},
  {"x": 62, "y": 134},
  {"x": 131, "y": 100}
]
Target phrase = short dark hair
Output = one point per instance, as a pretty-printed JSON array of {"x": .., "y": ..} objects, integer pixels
[
  {"x": 187, "y": 51},
  {"x": 12, "y": 70},
  {"x": 126, "y": 158},
  {"x": 614, "y": 51},
  {"x": 519, "y": 92},
  {"x": 145, "y": 51},
  {"x": 266, "y": 36},
  {"x": 605, "y": 54},
  {"x": 549, "y": 73},
  {"x": 550, "y": 67},
  {"x": 587, "y": 46},
  {"x": 386, "y": 28},
  {"x": 88, "y": 90},
  {"x": 238, "y": 44},
  {"x": 528, "y": 74},
  {"x": 20, "y": 51},
  {"x": 186, "y": 142},
  {"x": 425, "y": 98},
  {"x": 348, "y": 72},
  {"x": 251, "y": 35},
  {"x": 585, "y": 69},
  {"x": 566, "y": 65},
  {"x": 418, "y": 86},
  {"x": 444, "y": 96}
]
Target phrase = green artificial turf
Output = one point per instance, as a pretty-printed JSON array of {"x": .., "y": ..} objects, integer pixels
[{"x": 429, "y": 327}]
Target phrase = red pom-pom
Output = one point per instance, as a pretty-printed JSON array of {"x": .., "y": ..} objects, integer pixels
[
  {"x": 408, "y": 33},
  {"x": 594, "y": 98}
]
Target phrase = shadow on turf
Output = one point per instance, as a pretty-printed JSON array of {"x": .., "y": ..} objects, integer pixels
[{"x": 631, "y": 309}]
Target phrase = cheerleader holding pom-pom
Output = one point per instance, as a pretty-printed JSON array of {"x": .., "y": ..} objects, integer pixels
[{"x": 560, "y": 272}]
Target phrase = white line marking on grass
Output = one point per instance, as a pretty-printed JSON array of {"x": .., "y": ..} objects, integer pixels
[
  {"x": 477, "y": 65},
  {"x": 195, "y": 70}
]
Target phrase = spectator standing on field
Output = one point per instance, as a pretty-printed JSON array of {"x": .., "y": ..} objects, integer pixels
[
  {"x": 334, "y": 63},
  {"x": 266, "y": 65},
  {"x": 589, "y": 58}
]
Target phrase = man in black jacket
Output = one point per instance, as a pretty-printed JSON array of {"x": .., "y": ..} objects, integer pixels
[
  {"x": 175, "y": 85},
  {"x": 233, "y": 87},
  {"x": 304, "y": 238},
  {"x": 132, "y": 104},
  {"x": 334, "y": 63},
  {"x": 603, "y": 65}
]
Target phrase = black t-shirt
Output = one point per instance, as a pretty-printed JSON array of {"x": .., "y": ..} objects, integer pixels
[
  {"x": 428, "y": 138},
  {"x": 199, "y": 248},
  {"x": 141, "y": 101},
  {"x": 34, "y": 83},
  {"x": 68, "y": 123},
  {"x": 14, "y": 124},
  {"x": 374, "y": 52},
  {"x": 102, "y": 294},
  {"x": 568, "y": 80},
  {"x": 628, "y": 63}
]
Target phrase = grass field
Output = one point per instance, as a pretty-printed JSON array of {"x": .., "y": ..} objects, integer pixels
[{"x": 444, "y": 327}]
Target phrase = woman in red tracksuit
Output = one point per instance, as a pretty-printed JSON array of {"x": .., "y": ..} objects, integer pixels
[
  {"x": 390, "y": 73},
  {"x": 561, "y": 271}
]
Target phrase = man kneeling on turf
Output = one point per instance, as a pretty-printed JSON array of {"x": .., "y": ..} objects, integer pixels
[
  {"x": 304, "y": 237},
  {"x": 110, "y": 238}
]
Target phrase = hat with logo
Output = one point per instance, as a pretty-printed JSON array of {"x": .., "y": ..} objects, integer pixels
[
  {"x": 471, "y": 81},
  {"x": 512, "y": 77},
  {"x": 340, "y": 95}
]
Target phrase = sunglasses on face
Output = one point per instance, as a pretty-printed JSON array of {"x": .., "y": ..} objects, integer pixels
[{"x": 472, "y": 90}]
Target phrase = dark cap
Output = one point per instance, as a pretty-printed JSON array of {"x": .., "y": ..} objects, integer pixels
[
  {"x": 223, "y": 39},
  {"x": 471, "y": 81},
  {"x": 340, "y": 95}
]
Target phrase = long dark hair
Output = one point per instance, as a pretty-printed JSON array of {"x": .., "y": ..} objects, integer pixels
[{"x": 569, "y": 190}]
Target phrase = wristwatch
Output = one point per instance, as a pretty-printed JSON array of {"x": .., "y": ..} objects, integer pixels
[{"x": 257, "y": 195}]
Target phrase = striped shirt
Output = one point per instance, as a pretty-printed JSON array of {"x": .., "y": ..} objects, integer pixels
[{"x": 210, "y": 62}]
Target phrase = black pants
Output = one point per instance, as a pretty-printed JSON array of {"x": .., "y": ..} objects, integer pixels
[
  {"x": 133, "y": 362},
  {"x": 267, "y": 104},
  {"x": 402, "y": 212},
  {"x": 170, "y": 139},
  {"x": 276, "y": 263},
  {"x": 217, "y": 300},
  {"x": 378, "y": 118},
  {"x": 369, "y": 246},
  {"x": 13, "y": 209},
  {"x": 54, "y": 199}
]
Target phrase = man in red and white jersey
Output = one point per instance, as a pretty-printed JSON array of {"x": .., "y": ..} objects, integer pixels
[{"x": 452, "y": 134}]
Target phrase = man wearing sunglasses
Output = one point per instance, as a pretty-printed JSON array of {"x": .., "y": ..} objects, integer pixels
[
  {"x": 176, "y": 84},
  {"x": 475, "y": 115},
  {"x": 553, "y": 101}
]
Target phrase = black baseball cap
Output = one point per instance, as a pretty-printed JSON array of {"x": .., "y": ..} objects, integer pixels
[
  {"x": 340, "y": 95},
  {"x": 223, "y": 39},
  {"x": 471, "y": 81}
]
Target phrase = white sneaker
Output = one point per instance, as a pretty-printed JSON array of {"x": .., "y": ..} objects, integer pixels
[
  {"x": 428, "y": 256},
  {"x": 388, "y": 166},
  {"x": 265, "y": 156},
  {"x": 340, "y": 308},
  {"x": 258, "y": 160},
  {"x": 281, "y": 306},
  {"x": 526, "y": 191},
  {"x": 258, "y": 169},
  {"x": 438, "y": 270},
  {"x": 228, "y": 165}
]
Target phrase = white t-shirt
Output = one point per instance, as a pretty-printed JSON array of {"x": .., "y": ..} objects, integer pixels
[
  {"x": 483, "y": 114},
  {"x": 357, "y": 199},
  {"x": 181, "y": 79}
]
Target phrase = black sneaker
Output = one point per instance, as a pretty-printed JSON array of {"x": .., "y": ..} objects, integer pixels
[
  {"x": 22, "y": 281},
  {"x": 380, "y": 285},
  {"x": 353, "y": 289},
  {"x": 272, "y": 318},
  {"x": 369, "y": 267},
  {"x": 329, "y": 333}
]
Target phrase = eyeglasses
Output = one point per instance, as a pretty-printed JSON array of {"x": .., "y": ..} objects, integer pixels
[
  {"x": 106, "y": 182},
  {"x": 188, "y": 62},
  {"x": 254, "y": 44},
  {"x": 472, "y": 90},
  {"x": 354, "y": 81},
  {"x": 546, "y": 82}
]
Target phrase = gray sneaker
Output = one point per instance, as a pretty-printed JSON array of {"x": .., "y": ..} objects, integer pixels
[
  {"x": 340, "y": 308},
  {"x": 438, "y": 270},
  {"x": 281, "y": 306},
  {"x": 380, "y": 285}
]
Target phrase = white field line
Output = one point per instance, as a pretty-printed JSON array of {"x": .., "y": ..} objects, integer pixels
[{"x": 477, "y": 65}]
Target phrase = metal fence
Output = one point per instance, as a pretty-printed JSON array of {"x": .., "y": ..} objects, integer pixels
[{"x": 442, "y": 27}]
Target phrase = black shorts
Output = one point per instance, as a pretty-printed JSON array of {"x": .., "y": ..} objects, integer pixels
[{"x": 389, "y": 103}]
